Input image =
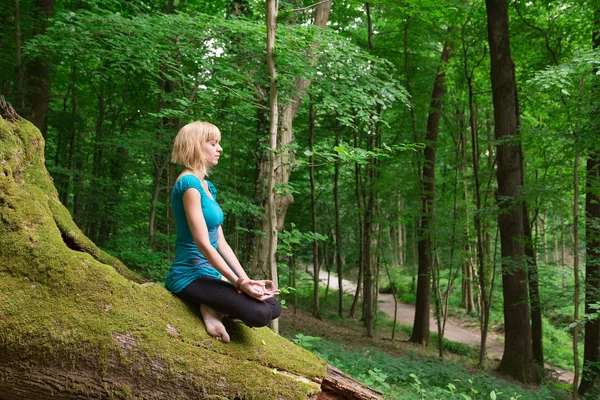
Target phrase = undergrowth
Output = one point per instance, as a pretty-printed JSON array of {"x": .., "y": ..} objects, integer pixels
[{"x": 412, "y": 377}]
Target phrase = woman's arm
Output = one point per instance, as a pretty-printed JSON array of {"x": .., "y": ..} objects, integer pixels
[
  {"x": 229, "y": 256},
  {"x": 263, "y": 286},
  {"x": 199, "y": 230}
]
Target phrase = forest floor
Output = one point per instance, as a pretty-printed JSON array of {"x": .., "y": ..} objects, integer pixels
[{"x": 456, "y": 330}]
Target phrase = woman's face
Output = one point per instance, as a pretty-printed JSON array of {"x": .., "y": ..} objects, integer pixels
[{"x": 212, "y": 152}]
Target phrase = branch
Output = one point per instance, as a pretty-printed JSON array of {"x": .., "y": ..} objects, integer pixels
[{"x": 311, "y": 6}]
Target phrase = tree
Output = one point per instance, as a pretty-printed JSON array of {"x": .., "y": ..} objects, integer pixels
[
  {"x": 420, "y": 332},
  {"x": 284, "y": 154},
  {"x": 590, "y": 379},
  {"x": 271, "y": 19},
  {"x": 517, "y": 360}
]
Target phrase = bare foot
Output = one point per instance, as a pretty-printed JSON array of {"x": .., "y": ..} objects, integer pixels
[{"x": 214, "y": 326}]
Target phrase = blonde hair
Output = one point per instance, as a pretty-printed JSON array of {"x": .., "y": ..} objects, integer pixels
[{"x": 189, "y": 143}]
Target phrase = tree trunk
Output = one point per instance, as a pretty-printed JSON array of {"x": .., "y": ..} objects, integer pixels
[
  {"x": 19, "y": 89},
  {"x": 537, "y": 345},
  {"x": 313, "y": 209},
  {"x": 284, "y": 159},
  {"x": 38, "y": 70},
  {"x": 338, "y": 233},
  {"x": 483, "y": 305},
  {"x": 517, "y": 360},
  {"x": 361, "y": 228},
  {"x": 544, "y": 236},
  {"x": 576, "y": 270},
  {"x": 420, "y": 332},
  {"x": 271, "y": 16},
  {"x": 590, "y": 377},
  {"x": 156, "y": 181}
]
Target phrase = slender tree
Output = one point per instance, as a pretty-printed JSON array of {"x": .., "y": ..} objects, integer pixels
[
  {"x": 271, "y": 16},
  {"x": 420, "y": 332},
  {"x": 313, "y": 209}
]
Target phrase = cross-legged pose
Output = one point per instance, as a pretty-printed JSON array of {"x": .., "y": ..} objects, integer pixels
[{"x": 206, "y": 272}]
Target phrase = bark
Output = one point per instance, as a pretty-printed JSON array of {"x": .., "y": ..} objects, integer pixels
[
  {"x": 271, "y": 16},
  {"x": 483, "y": 307},
  {"x": 313, "y": 209},
  {"x": 420, "y": 332},
  {"x": 338, "y": 233},
  {"x": 576, "y": 270},
  {"x": 542, "y": 226},
  {"x": 361, "y": 228},
  {"x": 590, "y": 377},
  {"x": 283, "y": 159},
  {"x": 159, "y": 170},
  {"x": 517, "y": 359},
  {"x": 38, "y": 70},
  {"x": 555, "y": 240},
  {"x": 368, "y": 233},
  {"x": 534, "y": 294},
  {"x": 91, "y": 310},
  {"x": 19, "y": 89}
]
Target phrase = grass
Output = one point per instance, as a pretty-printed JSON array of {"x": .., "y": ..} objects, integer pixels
[{"x": 401, "y": 370}]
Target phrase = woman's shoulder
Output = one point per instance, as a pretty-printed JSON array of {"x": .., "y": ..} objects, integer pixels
[{"x": 185, "y": 182}]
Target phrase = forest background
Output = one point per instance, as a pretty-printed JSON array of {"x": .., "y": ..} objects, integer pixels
[{"x": 387, "y": 168}]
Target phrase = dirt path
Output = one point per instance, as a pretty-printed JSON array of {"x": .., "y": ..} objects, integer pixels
[{"x": 456, "y": 330}]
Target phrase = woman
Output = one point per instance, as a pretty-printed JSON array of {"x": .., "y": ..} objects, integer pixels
[{"x": 206, "y": 272}]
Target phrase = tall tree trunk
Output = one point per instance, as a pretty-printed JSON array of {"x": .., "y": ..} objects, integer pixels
[
  {"x": 361, "y": 228},
  {"x": 284, "y": 158},
  {"x": 590, "y": 379},
  {"x": 534, "y": 293},
  {"x": 19, "y": 89},
  {"x": 313, "y": 208},
  {"x": 555, "y": 240},
  {"x": 338, "y": 233},
  {"x": 38, "y": 70},
  {"x": 271, "y": 19},
  {"x": 544, "y": 236},
  {"x": 576, "y": 270},
  {"x": 369, "y": 211},
  {"x": 420, "y": 332},
  {"x": 517, "y": 360},
  {"x": 483, "y": 306},
  {"x": 156, "y": 181}
]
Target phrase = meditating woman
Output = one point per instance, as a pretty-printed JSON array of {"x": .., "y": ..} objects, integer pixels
[{"x": 206, "y": 271}]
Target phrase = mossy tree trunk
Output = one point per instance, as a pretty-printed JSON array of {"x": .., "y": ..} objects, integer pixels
[{"x": 76, "y": 323}]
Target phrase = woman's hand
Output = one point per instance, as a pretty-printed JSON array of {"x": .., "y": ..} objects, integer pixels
[{"x": 259, "y": 289}]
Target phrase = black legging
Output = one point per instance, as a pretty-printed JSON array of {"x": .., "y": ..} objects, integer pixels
[{"x": 222, "y": 297}]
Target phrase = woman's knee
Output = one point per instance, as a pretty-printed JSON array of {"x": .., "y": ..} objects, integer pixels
[
  {"x": 260, "y": 316},
  {"x": 275, "y": 307}
]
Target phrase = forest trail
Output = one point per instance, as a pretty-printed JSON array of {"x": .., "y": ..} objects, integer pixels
[{"x": 456, "y": 329}]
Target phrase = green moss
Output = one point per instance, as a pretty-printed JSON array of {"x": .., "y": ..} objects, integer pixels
[{"x": 66, "y": 305}]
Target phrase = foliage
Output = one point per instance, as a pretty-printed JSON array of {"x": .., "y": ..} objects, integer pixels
[{"x": 415, "y": 378}]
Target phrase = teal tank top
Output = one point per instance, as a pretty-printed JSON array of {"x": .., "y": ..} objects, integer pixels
[{"x": 189, "y": 263}]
